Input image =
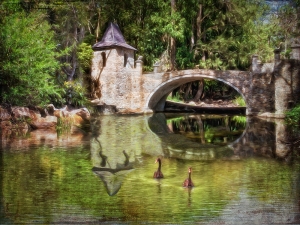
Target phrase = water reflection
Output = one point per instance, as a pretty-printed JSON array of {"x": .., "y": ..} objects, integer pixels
[
  {"x": 182, "y": 145},
  {"x": 118, "y": 142},
  {"x": 216, "y": 129},
  {"x": 46, "y": 182}
]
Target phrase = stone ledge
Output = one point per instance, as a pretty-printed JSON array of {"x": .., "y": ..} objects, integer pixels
[
  {"x": 272, "y": 115},
  {"x": 12, "y": 118}
]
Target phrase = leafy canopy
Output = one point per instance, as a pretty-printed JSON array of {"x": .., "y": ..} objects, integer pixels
[{"x": 28, "y": 61}]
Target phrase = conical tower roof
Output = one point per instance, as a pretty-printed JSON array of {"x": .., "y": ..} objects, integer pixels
[{"x": 112, "y": 37}]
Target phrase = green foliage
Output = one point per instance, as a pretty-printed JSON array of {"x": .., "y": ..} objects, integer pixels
[
  {"x": 175, "y": 121},
  {"x": 75, "y": 94},
  {"x": 293, "y": 117},
  {"x": 175, "y": 98},
  {"x": 28, "y": 61},
  {"x": 212, "y": 34},
  {"x": 64, "y": 125},
  {"x": 213, "y": 86},
  {"x": 240, "y": 120},
  {"x": 85, "y": 55},
  {"x": 232, "y": 32},
  {"x": 239, "y": 101},
  {"x": 184, "y": 58}
]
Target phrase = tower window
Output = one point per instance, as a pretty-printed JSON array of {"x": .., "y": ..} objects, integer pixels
[
  {"x": 125, "y": 59},
  {"x": 103, "y": 59}
]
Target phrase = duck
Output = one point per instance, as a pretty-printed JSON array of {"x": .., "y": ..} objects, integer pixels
[
  {"x": 188, "y": 181},
  {"x": 158, "y": 174}
]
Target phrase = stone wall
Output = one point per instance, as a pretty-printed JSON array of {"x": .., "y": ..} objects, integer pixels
[
  {"x": 287, "y": 85},
  {"x": 261, "y": 95},
  {"x": 119, "y": 80},
  {"x": 269, "y": 89}
]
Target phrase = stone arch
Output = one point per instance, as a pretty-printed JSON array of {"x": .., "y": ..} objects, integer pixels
[{"x": 156, "y": 99}]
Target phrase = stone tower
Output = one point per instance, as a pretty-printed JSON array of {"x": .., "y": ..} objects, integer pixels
[{"x": 115, "y": 75}]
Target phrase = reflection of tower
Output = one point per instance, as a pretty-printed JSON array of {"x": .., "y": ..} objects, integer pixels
[
  {"x": 117, "y": 143},
  {"x": 114, "y": 148},
  {"x": 112, "y": 177},
  {"x": 103, "y": 159}
]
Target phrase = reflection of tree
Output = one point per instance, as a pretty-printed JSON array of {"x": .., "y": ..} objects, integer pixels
[
  {"x": 112, "y": 177},
  {"x": 201, "y": 128},
  {"x": 208, "y": 128},
  {"x": 95, "y": 128}
]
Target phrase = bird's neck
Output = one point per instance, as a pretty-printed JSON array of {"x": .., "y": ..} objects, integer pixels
[{"x": 159, "y": 166}]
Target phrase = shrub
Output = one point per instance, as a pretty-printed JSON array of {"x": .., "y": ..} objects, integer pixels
[{"x": 293, "y": 116}]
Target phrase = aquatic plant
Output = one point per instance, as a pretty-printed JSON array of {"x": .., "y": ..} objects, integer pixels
[{"x": 64, "y": 124}]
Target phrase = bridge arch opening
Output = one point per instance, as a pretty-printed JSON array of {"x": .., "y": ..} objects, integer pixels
[{"x": 157, "y": 99}]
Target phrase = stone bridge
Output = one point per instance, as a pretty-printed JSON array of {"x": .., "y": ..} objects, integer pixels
[
  {"x": 119, "y": 82},
  {"x": 159, "y": 85}
]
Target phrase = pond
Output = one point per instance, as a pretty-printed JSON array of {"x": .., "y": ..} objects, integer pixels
[{"x": 242, "y": 169}]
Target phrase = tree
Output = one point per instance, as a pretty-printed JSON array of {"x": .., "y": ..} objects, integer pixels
[
  {"x": 229, "y": 33},
  {"x": 173, "y": 40},
  {"x": 69, "y": 29},
  {"x": 28, "y": 61},
  {"x": 287, "y": 24}
]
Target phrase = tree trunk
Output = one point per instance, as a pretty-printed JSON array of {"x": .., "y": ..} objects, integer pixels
[
  {"x": 198, "y": 23},
  {"x": 192, "y": 41},
  {"x": 172, "y": 54},
  {"x": 199, "y": 91},
  {"x": 98, "y": 26},
  {"x": 199, "y": 29},
  {"x": 173, "y": 41},
  {"x": 188, "y": 90}
]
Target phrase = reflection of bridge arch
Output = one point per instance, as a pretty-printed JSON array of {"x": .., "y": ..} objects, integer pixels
[
  {"x": 175, "y": 145},
  {"x": 260, "y": 137},
  {"x": 156, "y": 99}
]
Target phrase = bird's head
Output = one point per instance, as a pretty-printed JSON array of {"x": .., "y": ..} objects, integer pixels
[{"x": 157, "y": 160}]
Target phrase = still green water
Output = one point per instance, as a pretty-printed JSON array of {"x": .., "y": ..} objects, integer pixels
[{"x": 107, "y": 176}]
